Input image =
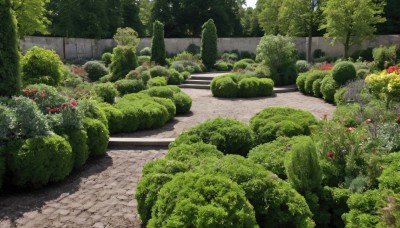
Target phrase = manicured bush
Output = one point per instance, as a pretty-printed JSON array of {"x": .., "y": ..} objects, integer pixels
[
  {"x": 146, "y": 51},
  {"x": 344, "y": 72},
  {"x": 126, "y": 86},
  {"x": 209, "y": 51},
  {"x": 311, "y": 77},
  {"x": 175, "y": 78},
  {"x": 248, "y": 87},
  {"x": 222, "y": 66},
  {"x": 265, "y": 87},
  {"x": 37, "y": 161},
  {"x": 328, "y": 88},
  {"x": 80, "y": 150},
  {"x": 301, "y": 81},
  {"x": 302, "y": 66},
  {"x": 224, "y": 87},
  {"x": 107, "y": 58},
  {"x": 98, "y": 136},
  {"x": 95, "y": 70},
  {"x": 139, "y": 74},
  {"x": 45, "y": 96},
  {"x": 159, "y": 71},
  {"x": 240, "y": 65},
  {"x": 10, "y": 79},
  {"x": 124, "y": 60},
  {"x": 184, "y": 201},
  {"x": 186, "y": 152},
  {"x": 158, "y": 53},
  {"x": 106, "y": 91},
  {"x": 186, "y": 74},
  {"x": 229, "y": 135},
  {"x": 340, "y": 96},
  {"x": 183, "y": 102},
  {"x": 144, "y": 59},
  {"x": 168, "y": 104},
  {"x": 41, "y": 66},
  {"x": 274, "y": 122},
  {"x": 91, "y": 109},
  {"x": 114, "y": 117},
  {"x": 384, "y": 56},
  {"x": 317, "y": 87},
  {"x": 159, "y": 91}
]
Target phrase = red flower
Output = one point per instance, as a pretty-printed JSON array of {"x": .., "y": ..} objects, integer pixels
[
  {"x": 64, "y": 105},
  {"x": 73, "y": 103},
  {"x": 34, "y": 91},
  {"x": 27, "y": 91},
  {"x": 49, "y": 109},
  {"x": 57, "y": 109},
  {"x": 330, "y": 154},
  {"x": 349, "y": 129},
  {"x": 398, "y": 119},
  {"x": 392, "y": 69},
  {"x": 326, "y": 67}
]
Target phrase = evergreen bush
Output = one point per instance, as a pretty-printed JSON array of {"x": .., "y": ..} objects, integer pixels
[
  {"x": 95, "y": 70},
  {"x": 209, "y": 51},
  {"x": 124, "y": 60},
  {"x": 158, "y": 54},
  {"x": 224, "y": 87},
  {"x": 159, "y": 71},
  {"x": 80, "y": 150},
  {"x": 146, "y": 51},
  {"x": 175, "y": 78},
  {"x": 107, "y": 58},
  {"x": 106, "y": 92},
  {"x": 328, "y": 88},
  {"x": 98, "y": 136},
  {"x": 114, "y": 117},
  {"x": 183, "y": 102},
  {"x": 126, "y": 86},
  {"x": 311, "y": 77},
  {"x": 344, "y": 72},
  {"x": 157, "y": 81},
  {"x": 91, "y": 109}
]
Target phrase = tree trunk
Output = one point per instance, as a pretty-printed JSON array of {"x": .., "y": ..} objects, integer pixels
[
  {"x": 309, "y": 48},
  {"x": 347, "y": 45}
]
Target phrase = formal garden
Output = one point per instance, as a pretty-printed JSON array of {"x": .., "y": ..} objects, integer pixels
[{"x": 286, "y": 163}]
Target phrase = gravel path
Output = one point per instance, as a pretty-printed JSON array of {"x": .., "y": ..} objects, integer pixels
[{"x": 205, "y": 107}]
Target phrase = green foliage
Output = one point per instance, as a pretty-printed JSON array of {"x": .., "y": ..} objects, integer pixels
[
  {"x": 127, "y": 37},
  {"x": 41, "y": 66},
  {"x": 106, "y": 91},
  {"x": 159, "y": 91},
  {"x": 248, "y": 87},
  {"x": 187, "y": 152},
  {"x": 2, "y": 168},
  {"x": 348, "y": 115},
  {"x": 334, "y": 201},
  {"x": 301, "y": 81},
  {"x": 144, "y": 60},
  {"x": 271, "y": 123},
  {"x": 311, "y": 77},
  {"x": 230, "y": 136},
  {"x": 123, "y": 61},
  {"x": 222, "y": 66},
  {"x": 240, "y": 65},
  {"x": 10, "y": 80},
  {"x": 8, "y": 123},
  {"x": 157, "y": 81},
  {"x": 91, "y": 109},
  {"x": 159, "y": 71},
  {"x": 175, "y": 78},
  {"x": 126, "y": 86},
  {"x": 186, "y": 74},
  {"x": 328, "y": 88},
  {"x": 316, "y": 87},
  {"x": 107, "y": 58},
  {"x": 158, "y": 53},
  {"x": 302, "y": 166},
  {"x": 302, "y": 66},
  {"x": 183, "y": 102},
  {"x": 44, "y": 95},
  {"x": 31, "y": 17},
  {"x": 279, "y": 54},
  {"x": 39, "y": 160},
  {"x": 224, "y": 87},
  {"x": 95, "y": 70},
  {"x": 389, "y": 179},
  {"x": 80, "y": 150},
  {"x": 344, "y": 72},
  {"x": 98, "y": 136},
  {"x": 209, "y": 51},
  {"x": 185, "y": 201},
  {"x": 114, "y": 117},
  {"x": 169, "y": 105},
  {"x": 384, "y": 56},
  {"x": 146, "y": 51}
]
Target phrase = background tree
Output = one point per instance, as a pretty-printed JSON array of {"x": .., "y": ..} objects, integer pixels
[
  {"x": 158, "y": 53},
  {"x": 145, "y": 16},
  {"x": 268, "y": 12},
  {"x": 392, "y": 14},
  {"x": 249, "y": 21},
  {"x": 351, "y": 22},
  {"x": 209, "y": 51},
  {"x": 130, "y": 16},
  {"x": 31, "y": 16},
  {"x": 10, "y": 80}
]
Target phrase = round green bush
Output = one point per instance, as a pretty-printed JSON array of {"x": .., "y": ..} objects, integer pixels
[
  {"x": 362, "y": 73},
  {"x": 174, "y": 88},
  {"x": 248, "y": 87},
  {"x": 343, "y": 72},
  {"x": 302, "y": 66},
  {"x": 241, "y": 65},
  {"x": 183, "y": 102},
  {"x": 157, "y": 81},
  {"x": 114, "y": 117},
  {"x": 266, "y": 87},
  {"x": 106, "y": 91},
  {"x": 186, "y": 74},
  {"x": 124, "y": 60},
  {"x": 126, "y": 86},
  {"x": 311, "y": 77},
  {"x": 159, "y": 71},
  {"x": 200, "y": 150},
  {"x": 317, "y": 87},
  {"x": 80, "y": 150},
  {"x": 95, "y": 70},
  {"x": 186, "y": 202},
  {"x": 137, "y": 74},
  {"x": 221, "y": 66},
  {"x": 45, "y": 96},
  {"x": 107, "y": 58},
  {"x": 229, "y": 135},
  {"x": 224, "y": 87},
  {"x": 271, "y": 123},
  {"x": 98, "y": 136},
  {"x": 37, "y": 161},
  {"x": 91, "y": 109},
  {"x": 175, "y": 78},
  {"x": 262, "y": 71},
  {"x": 143, "y": 59},
  {"x": 41, "y": 66},
  {"x": 328, "y": 88},
  {"x": 348, "y": 114},
  {"x": 169, "y": 104},
  {"x": 145, "y": 51},
  {"x": 340, "y": 96},
  {"x": 301, "y": 81},
  {"x": 159, "y": 91}
]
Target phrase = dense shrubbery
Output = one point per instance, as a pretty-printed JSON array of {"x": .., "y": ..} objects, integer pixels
[
  {"x": 302, "y": 66},
  {"x": 114, "y": 117},
  {"x": 157, "y": 81},
  {"x": 384, "y": 57},
  {"x": 209, "y": 50},
  {"x": 328, "y": 88},
  {"x": 343, "y": 72},
  {"x": 272, "y": 123},
  {"x": 106, "y": 92},
  {"x": 98, "y": 136},
  {"x": 107, "y": 58},
  {"x": 95, "y": 70},
  {"x": 78, "y": 141},
  {"x": 158, "y": 53},
  {"x": 123, "y": 61},
  {"x": 126, "y": 86},
  {"x": 175, "y": 78}
]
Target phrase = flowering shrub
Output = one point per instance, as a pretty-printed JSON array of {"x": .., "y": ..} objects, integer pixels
[
  {"x": 386, "y": 84},
  {"x": 327, "y": 66},
  {"x": 79, "y": 71},
  {"x": 393, "y": 69}
]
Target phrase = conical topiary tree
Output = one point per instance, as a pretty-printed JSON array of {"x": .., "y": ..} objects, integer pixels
[
  {"x": 158, "y": 53},
  {"x": 209, "y": 51},
  {"x": 10, "y": 80}
]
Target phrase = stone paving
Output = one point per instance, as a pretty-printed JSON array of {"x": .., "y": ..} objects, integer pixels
[{"x": 99, "y": 195}]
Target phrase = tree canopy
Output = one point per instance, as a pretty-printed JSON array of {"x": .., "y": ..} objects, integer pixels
[{"x": 31, "y": 16}]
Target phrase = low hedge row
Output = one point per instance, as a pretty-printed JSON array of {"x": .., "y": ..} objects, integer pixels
[{"x": 236, "y": 85}]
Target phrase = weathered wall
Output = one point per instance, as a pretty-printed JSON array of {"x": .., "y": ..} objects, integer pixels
[{"x": 77, "y": 48}]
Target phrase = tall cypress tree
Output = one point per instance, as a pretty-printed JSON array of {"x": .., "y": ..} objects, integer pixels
[
  {"x": 10, "y": 80},
  {"x": 158, "y": 53},
  {"x": 209, "y": 51}
]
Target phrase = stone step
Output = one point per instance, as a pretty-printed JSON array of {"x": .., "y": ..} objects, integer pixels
[
  {"x": 201, "y": 82},
  {"x": 200, "y": 77},
  {"x": 194, "y": 86},
  {"x": 285, "y": 89},
  {"x": 156, "y": 142}
]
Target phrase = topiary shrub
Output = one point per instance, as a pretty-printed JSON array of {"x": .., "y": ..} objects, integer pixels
[
  {"x": 107, "y": 58},
  {"x": 159, "y": 91},
  {"x": 328, "y": 88},
  {"x": 37, "y": 161},
  {"x": 159, "y": 71},
  {"x": 91, "y": 109},
  {"x": 224, "y": 87},
  {"x": 169, "y": 104},
  {"x": 316, "y": 87},
  {"x": 124, "y": 60},
  {"x": 175, "y": 78},
  {"x": 158, "y": 53},
  {"x": 185, "y": 201},
  {"x": 301, "y": 81},
  {"x": 144, "y": 60},
  {"x": 384, "y": 56},
  {"x": 311, "y": 77},
  {"x": 10, "y": 79},
  {"x": 248, "y": 87},
  {"x": 114, "y": 117},
  {"x": 106, "y": 92},
  {"x": 222, "y": 66},
  {"x": 126, "y": 86},
  {"x": 80, "y": 150},
  {"x": 271, "y": 123},
  {"x": 98, "y": 136},
  {"x": 183, "y": 102},
  {"x": 186, "y": 74},
  {"x": 229, "y": 135},
  {"x": 343, "y": 72},
  {"x": 209, "y": 51},
  {"x": 302, "y": 66},
  {"x": 146, "y": 51},
  {"x": 95, "y": 70},
  {"x": 41, "y": 66},
  {"x": 265, "y": 87},
  {"x": 241, "y": 65}
]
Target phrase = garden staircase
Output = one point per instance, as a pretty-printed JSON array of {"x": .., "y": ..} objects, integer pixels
[{"x": 198, "y": 81}]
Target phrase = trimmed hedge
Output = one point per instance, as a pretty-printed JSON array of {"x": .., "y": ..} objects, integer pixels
[
  {"x": 229, "y": 135},
  {"x": 175, "y": 78},
  {"x": 78, "y": 141},
  {"x": 328, "y": 88},
  {"x": 311, "y": 78},
  {"x": 98, "y": 136},
  {"x": 343, "y": 72},
  {"x": 123, "y": 61},
  {"x": 157, "y": 81},
  {"x": 106, "y": 92},
  {"x": 126, "y": 86},
  {"x": 271, "y": 123},
  {"x": 95, "y": 70},
  {"x": 183, "y": 102},
  {"x": 114, "y": 117},
  {"x": 224, "y": 87}
]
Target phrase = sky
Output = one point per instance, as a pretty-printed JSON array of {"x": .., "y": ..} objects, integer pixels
[{"x": 251, "y": 3}]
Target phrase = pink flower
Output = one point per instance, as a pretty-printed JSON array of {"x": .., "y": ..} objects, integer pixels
[
  {"x": 27, "y": 91},
  {"x": 73, "y": 103},
  {"x": 64, "y": 105},
  {"x": 349, "y": 129},
  {"x": 330, "y": 154},
  {"x": 57, "y": 109}
]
